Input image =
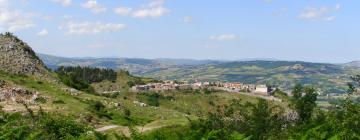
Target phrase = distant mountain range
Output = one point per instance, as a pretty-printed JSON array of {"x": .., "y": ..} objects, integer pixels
[
  {"x": 355, "y": 64},
  {"x": 136, "y": 66},
  {"x": 331, "y": 78}
]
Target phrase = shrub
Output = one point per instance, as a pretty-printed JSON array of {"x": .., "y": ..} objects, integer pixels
[
  {"x": 100, "y": 109},
  {"x": 40, "y": 100},
  {"x": 61, "y": 127},
  {"x": 58, "y": 102},
  {"x": 40, "y": 126}
]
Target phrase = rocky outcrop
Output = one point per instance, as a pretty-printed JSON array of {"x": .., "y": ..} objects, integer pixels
[
  {"x": 9, "y": 93},
  {"x": 16, "y": 57},
  {"x": 297, "y": 67},
  {"x": 2, "y": 83}
]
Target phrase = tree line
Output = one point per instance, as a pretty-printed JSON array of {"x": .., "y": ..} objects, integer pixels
[
  {"x": 88, "y": 74},
  {"x": 80, "y": 78}
]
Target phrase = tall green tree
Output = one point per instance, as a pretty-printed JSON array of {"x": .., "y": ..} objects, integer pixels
[
  {"x": 297, "y": 91},
  {"x": 304, "y": 102}
]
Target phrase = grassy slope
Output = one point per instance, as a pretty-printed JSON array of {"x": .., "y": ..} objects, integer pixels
[
  {"x": 121, "y": 83},
  {"x": 171, "y": 111}
]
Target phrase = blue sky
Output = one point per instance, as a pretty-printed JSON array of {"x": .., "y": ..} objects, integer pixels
[{"x": 306, "y": 30}]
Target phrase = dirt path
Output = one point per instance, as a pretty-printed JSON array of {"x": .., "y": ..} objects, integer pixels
[
  {"x": 125, "y": 130},
  {"x": 106, "y": 128},
  {"x": 148, "y": 128}
]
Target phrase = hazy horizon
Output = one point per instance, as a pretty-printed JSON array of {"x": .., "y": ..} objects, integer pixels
[
  {"x": 229, "y": 60},
  {"x": 312, "y": 31}
]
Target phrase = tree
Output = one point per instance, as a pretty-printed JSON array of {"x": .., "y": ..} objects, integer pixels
[
  {"x": 297, "y": 91},
  {"x": 304, "y": 104},
  {"x": 265, "y": 120}
]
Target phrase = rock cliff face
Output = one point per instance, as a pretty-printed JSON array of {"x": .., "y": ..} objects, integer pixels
[{"x": 16, "y": 57}]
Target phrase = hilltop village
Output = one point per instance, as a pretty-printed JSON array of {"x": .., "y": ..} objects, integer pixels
[{"x": 227, "y": 86}]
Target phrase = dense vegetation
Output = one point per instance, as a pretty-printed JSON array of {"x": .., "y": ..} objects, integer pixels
[
  {"x": 263, "y": 120},
  {"x": 87, "y": 74},
  {"x": 80, "y": 78},
  {"x": 41, "y": 125}
]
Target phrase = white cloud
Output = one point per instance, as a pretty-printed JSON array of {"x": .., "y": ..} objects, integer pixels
[
  {"x": 223, "y": 37},
  {"x": 153, "y": 9},
  {"x": 63, "y": 2},
  {"x": 156, "y": 3},
  {"x": 188, "y": 19},
  {"x": 43, "y": 32},
  {"x": 150, "y": 12},
  {"x": 122, "y": 11},
  {"x": 94, "y": 6},
  {"x": 320, "y": 14},
  {"x": 80, "y": 28},
  {"x": 4, "y": 3},
  {"x": 337, "y": 7},
  {"x": 15, "y": 20}
]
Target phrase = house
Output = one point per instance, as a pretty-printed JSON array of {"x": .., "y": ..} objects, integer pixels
[
  {"x": 184, "y": 86},
  {"x": 138, "y": 88},
  {"x": 261, "y": 89},
  {"x": 196, "y": 85}
]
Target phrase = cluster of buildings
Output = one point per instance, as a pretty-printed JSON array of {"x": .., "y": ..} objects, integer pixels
[
  {"x": 239, "y": 86},
  {"x": 167, "y": 85},
  {"x": 229, "y": 86}
]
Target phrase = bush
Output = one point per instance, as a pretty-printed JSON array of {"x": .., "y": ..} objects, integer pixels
[
  {"x": 40, "y": 126},
  {"x": 40, "y": 100},
  {"x": 61, "y": 127},
  {"x": 152, "y": 98},
  {"x": 100, "y": 109},
  {"x": 58, "y": 102},
  {"x": 127, "y": 113},
  {"x": 111, "y": 95}
]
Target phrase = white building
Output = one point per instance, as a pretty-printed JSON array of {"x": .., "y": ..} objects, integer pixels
[{"x": 261, "y": 89}]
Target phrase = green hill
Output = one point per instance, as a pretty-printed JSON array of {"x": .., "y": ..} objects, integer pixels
[
  {"x": 171, "y": 109},
  {"x": 95, "y": 103},
  {"x": 330, "y": 78},
  {"x": 31, "y": 93}
]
